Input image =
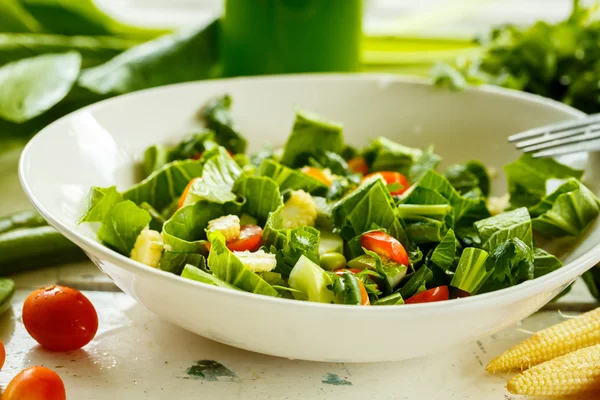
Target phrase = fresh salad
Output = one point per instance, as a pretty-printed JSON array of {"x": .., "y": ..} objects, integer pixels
[{"x": 322, "y": 221}]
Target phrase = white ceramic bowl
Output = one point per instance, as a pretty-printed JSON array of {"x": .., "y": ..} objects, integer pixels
[{"x": 100, "y": 145}]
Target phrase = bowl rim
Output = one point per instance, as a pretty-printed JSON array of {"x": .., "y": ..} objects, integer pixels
[{"x": 568, "y": 272}]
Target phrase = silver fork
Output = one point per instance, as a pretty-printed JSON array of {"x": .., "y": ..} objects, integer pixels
[{"x": 573, "y": 136}]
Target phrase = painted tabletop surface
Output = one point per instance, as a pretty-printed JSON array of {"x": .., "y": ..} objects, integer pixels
[{"x": 136, "y": 355}]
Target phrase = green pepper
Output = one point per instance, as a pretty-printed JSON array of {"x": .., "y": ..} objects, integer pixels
[
  {"x": 346, "y": 286},
  {"x": 21, "y": 219},
  {"x": 7, "y": 291}
]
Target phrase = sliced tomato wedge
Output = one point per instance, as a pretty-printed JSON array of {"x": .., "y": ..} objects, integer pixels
[
  {"x": 364, "y": 296},
  {"x": 359, "y": 165},
  {"x": 317, "y": 174},
  {"x": 439, "y": 293},
  {"x": 392, "y": 177},
  {"x": 185, "y": 192},
  {"x": 250, "y": 236},
  {"x": 385, "y": 245}
]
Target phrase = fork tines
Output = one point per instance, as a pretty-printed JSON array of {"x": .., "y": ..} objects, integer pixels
[{"x": 579, "y": 135}]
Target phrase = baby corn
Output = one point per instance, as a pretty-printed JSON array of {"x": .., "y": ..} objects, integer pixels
[
  {"x": 573, "y": 334},
  {"x": 574, "y": 373}
]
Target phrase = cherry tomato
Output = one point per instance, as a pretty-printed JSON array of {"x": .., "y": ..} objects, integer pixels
[
  {"x": 197, "y": 156},
  {"x": 60, "y": 318},
  {"x": 181, "y": 201},
  {"x": 385, "y": 245},
  {"x": 35, "y": 383},
  {"x": 317, "y": 174},
  {"x": 391, "y": 177},
  {"x": 364, "y": 296},
  {"x": 2, "y": 354},
  {"x": 439, "y": 293},
  {"x": 359, "y": 165},
  {"x": 461, "y": 293},
  {"x": 250, "y": 236}
]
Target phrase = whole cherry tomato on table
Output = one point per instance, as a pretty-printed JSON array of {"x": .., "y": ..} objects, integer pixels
[
  {"x": 60, "y": 318},
  {"x": 35, "y": 383}
]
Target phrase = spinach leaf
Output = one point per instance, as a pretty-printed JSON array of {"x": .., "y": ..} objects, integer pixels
[
  {"x": 266, "y": 153},
  {"x": 196, "y": 274},
  {"x": 417, "y": 282},
  {"x": 334, "y": 162},
  {"x": 468, "y": 176},
  {"x": 193, "y": 145},
  {"x": 185, "y": 232},
  {"x": 444, "y": 253},
  {"x": 369, "y": 207},
  {"x": 566, "y": 212},
  {"x": 496, "y": 230},
  {"x": 80, "y": 17},
  {"x": 527, "y": 178},
  {"x": 101, "y": 201},
  {"x": 511, "y": 263},
  {"x": 427, "y": 215},
  {"x": 290, "y": 244},
  {"x": 386, "y": 155},
  {"x": 184, "y": 56},
  {"x": 391, "y": 300},
  {"x": 591, "y": 279},
  {"x": 217, "y": 114},
  {"x": 287, "y": 178},
  {"x": 121, "y": 227},
  {"x": 427, "y": 161},
  {"x": 165, "y": 185},
  {"x": 261, "y": 196},
  {"x": 471, "y": 272},
  {"x": 174, "y": 262},
  {"x": 13, "y": 18},
  {"x": 310, "y": 136},
  {"x": 544, "y": 262},
  {"x": 32, "y": 86},
  {"x": 226, "y": 266}
]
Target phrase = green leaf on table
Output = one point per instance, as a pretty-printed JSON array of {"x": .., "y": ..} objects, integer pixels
[
  {"x": 369, "y": 207},
  {"x": 165, "y": 185},
  {"x": 100, "y": 203},
  {"x": 290, "y": 244},
  {"x": 291, "y": 179},
  {"x": 565, "y": 212},
  {"x": 310, "y": 136},
  {"x": 384, "y": 154},
  {"x": 196, "y": 274},
  {"x": 511, "y": 263},
  {"x": 227, "y": 267},
  {"x": 527, "y": 178},
  {"x": 185, "y": 232},
  {"x": 121, "y": 227},
  {"x": 217, "y": 115},
  {"x": 468, "y": 176},
  {"x": 184, "y": 56},
  {"x": 496, "y": 230},
  {"x": 444, "y": 253},
  {"x": 471, "y": 272},
  {"x": 261, "y": 195},
  {"x": 80, "y": 17},
  {"x": 544, "y": 262},
  {"x": 32, "y": 86}
]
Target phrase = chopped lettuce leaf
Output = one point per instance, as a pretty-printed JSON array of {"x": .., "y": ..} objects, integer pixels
[
  {"x": 427, "y": 161},
  {"x": 386, "y": 155},
  {"x": 217, "y": 115},
  {"x": 544, "y": 262},
  {"x": 496, "y": 230},
  {"x": 122, "y": 225},
  {"x": 471, "y": 272},
  {"x": 311, "y": 135},
  {"x": 417, "y": 282},
  {"x": 391, "y": 300},
  {"x": 174, "y": 262},
  {"x": 196, "y": 274},
  {"x": 527, "y": 178},
  {"x": 468, "y": 176},
  {"x": 511, "y": 263},
  {"x": 444, "y": 253},
  {"x": 261, "y": 196},
  {"x": 100, "y": 203},
  {"x": 227, "y": 267},
  {"x": 291, "y": 179}
]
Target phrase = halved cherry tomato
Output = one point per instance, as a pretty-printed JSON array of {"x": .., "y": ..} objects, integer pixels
[
  {"x": 439, "y": 293},
  {"x": 391, "y": 177},
  {"x": 359, "y": 164},
  {"x": 461, "y": 293},
  {"x": 181, "y": 201},
  {"x": 35, "y": 383},
  {"x": 250, "y": 236},
  {"x": 60, "y": 318},
  {"x": 364, "y": 296},
  {"x": 317, "y": 174},
  {"x": 385, "y": 245}
]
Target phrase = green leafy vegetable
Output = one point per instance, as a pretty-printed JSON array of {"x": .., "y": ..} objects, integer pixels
[
  {"x": 567, "y": 211},
  {"x": 13, "y": 18},
  {"x": 417, "y": 282},
  {"x": 527, "y": 178},
  {"x": 390, "y": 272},
  {"x": 310, "y": 136},
  {"x": 196, "y": 274},
  {"x": 121, "y": 227},
  {"x": 511, "y": 263},
  {"x": 217, "y": 114},
  {"x": 34, "y": 85},
  {"x": 427, "y": 161},
  {"x": 175, "y": 262},
  {"x": 471, "y": 272},
  {"x": 544, "y": 263},
  {"x": 496, "y": 230},
  {"x": 347, "y": 288},
  {"x": 427, "y": 215},
  {"x": 227, "y": 267},
  {"x": 386, "y": 155},
  {"x": 468, "y": 176},
  {"x": 100, "y": 203},
  {"x": 287, "y": 178},
  {"x": 444, "y": 253},
  {"x": 391, "y": 300},
  {"x": 261, "y": 196},
  {"x": 188, "y": 55}
]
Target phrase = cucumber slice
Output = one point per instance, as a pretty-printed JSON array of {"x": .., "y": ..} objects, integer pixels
[
  {"x": 330, "y": 243},
  {"x": 312, "y": 281},
  {"x": 393, "y": 271}
]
